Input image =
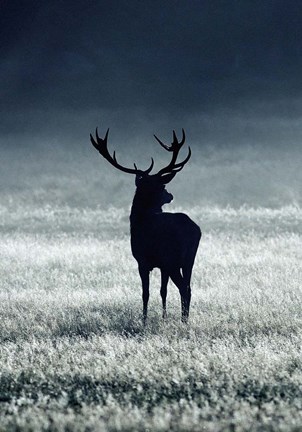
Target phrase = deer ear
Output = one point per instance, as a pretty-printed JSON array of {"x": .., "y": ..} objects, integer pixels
[
  {"x": 138, "y": 178},
  {"x": 166, "y": 178}
]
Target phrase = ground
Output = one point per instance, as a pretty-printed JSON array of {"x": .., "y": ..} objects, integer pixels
[{"x": 74, "y": 355}]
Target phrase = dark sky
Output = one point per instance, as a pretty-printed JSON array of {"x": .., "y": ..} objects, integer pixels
[{"x": 65, "y": 64}]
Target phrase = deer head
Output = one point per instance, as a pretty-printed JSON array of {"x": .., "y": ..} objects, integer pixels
[{"x": 150, "y": 187}]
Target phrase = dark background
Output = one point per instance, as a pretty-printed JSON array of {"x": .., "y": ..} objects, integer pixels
[
  {"x": 218, "y": 68},
  {"x": 229, "y": 72}
]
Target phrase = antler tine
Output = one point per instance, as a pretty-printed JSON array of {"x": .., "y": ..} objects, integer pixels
[
  {"x": 148, "y": 170},
  {"x": 175, "y": 144},
  {"x": 99, "y": 140},
  {"x": 176, "y": 167},
  {"x": 175, "y": 141},
  {"x": 162, "y": 144},
  {"x": 179, "y": 166},
  {"x": 175, "y": 148},
  {"x": 101, "y": 145},
  {"x": 183, "y": 137}
]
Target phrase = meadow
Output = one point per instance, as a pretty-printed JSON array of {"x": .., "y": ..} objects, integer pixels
[{"x": 74, "y": 355}]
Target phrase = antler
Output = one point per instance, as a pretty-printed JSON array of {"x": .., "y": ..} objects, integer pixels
[
  {"x": 175, "y": 148},
  {"x": 101, "y": 146}
]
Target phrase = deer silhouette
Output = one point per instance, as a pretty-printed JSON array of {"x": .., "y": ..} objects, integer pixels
[{"x": 168, "y": 241}]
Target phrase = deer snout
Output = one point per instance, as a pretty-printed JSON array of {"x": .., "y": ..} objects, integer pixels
[{"x": 167, "y": 197}]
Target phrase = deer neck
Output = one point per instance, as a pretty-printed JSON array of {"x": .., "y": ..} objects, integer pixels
[{"x": 142, "y": 211}]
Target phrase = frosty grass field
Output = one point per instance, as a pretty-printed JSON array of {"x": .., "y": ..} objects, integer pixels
[{"x": 74, "y": 355}]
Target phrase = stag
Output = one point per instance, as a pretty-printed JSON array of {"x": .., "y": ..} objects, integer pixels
[{"x": 168, "y": 241}]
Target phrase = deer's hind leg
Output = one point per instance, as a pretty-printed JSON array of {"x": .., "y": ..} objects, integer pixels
[
  {"x": 185, "y": 293},
  {"x": 187, "y": 272},
  {"x": 163, "y": 290}
]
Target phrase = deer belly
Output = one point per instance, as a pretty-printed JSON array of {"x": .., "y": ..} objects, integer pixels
[{"x": 156, "y": 251}]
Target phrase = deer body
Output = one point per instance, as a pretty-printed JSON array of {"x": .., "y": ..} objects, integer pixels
[
  {"x": 168, "y": 241},
  {"x": 164, "y": 240}
]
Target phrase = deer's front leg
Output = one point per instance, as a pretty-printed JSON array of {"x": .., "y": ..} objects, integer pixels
[{"x": 144, "y": 274}]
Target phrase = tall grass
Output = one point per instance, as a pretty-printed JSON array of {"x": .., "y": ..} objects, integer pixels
[{"x": 74, "y": 355}]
